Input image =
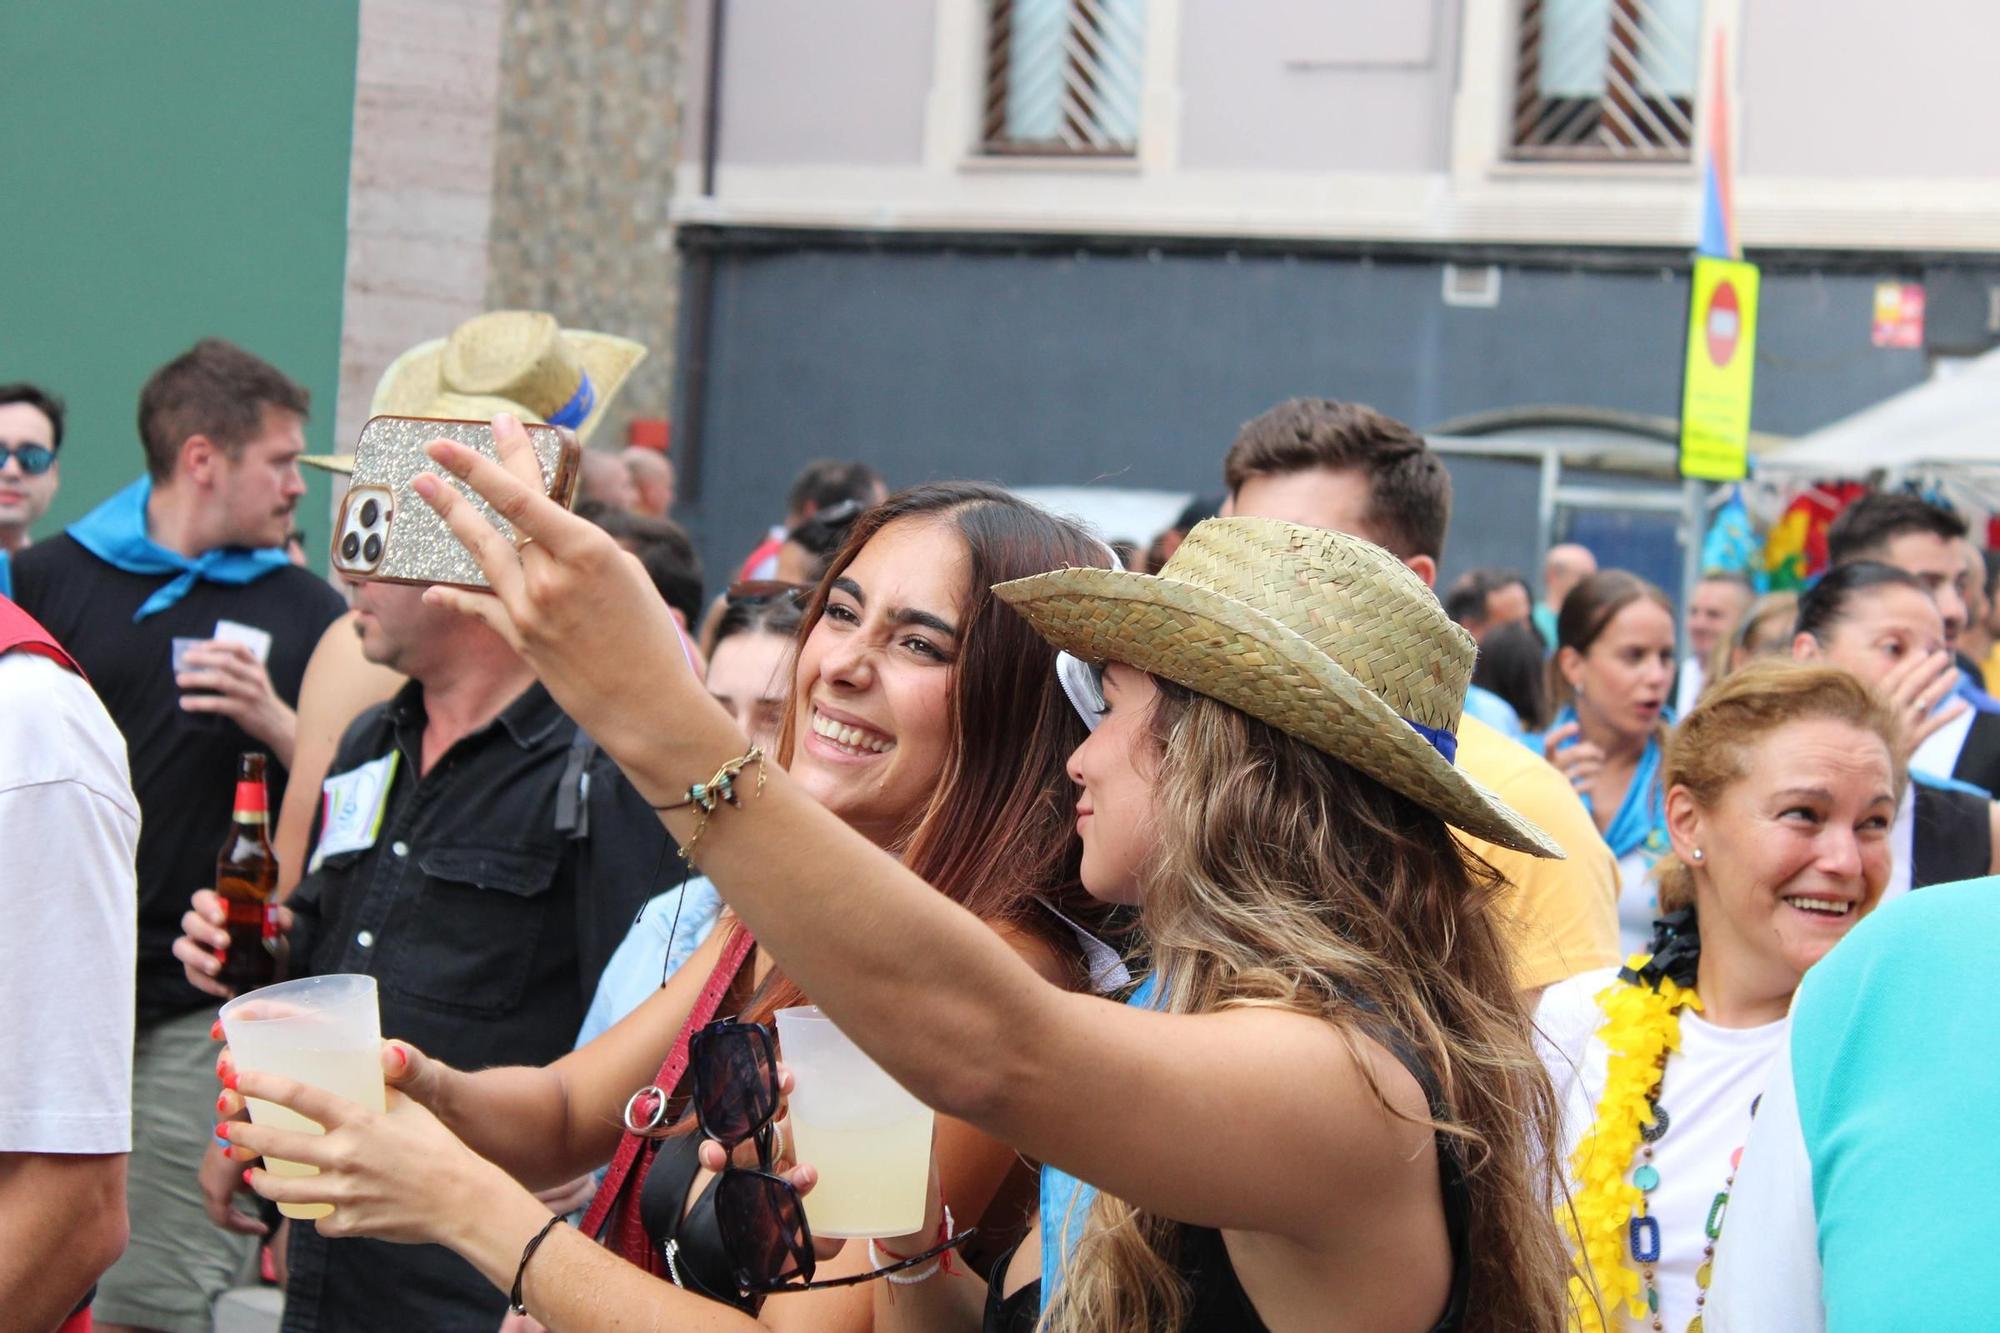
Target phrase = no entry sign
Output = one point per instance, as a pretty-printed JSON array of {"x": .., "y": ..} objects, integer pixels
[{"x": 1721, "y": 354}]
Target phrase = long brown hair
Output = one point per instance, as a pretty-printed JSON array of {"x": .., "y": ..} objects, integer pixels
[
  {"x": 1285, "y": 878},
  {"x": 997, "y": 829}
]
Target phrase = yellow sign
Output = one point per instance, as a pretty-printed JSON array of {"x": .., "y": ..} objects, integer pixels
[{"x": 1721, "y": 355}]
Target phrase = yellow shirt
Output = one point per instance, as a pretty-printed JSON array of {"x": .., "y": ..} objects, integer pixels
[
  {"x": 1562, "y": 916},
  {"x": 1990, "y": 669}
]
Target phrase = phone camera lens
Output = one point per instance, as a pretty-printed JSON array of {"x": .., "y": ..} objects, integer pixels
[
  {"x": 370, "y": 511},
  {"x": 350, "y": 546},
  {"x": 371, "y": 550}
]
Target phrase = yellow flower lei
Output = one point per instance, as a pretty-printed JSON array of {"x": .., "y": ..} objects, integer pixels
[{"x": 1641, "y": 1025}]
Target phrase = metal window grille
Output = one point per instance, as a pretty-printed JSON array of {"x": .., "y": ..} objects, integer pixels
[
  {"x": 1606, "y": 80},
  {"x": 1064, "y": 77}
]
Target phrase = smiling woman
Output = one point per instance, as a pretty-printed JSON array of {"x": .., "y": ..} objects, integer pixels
[
  {"x": 1780, "y": 790},
  {"x": 928, "y": 717}
]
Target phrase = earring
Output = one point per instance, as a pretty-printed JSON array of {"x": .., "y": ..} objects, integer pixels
[{"x": 1697, "y": 854}]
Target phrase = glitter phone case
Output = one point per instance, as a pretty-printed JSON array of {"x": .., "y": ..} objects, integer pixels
[{"x": 386, "y": 533}]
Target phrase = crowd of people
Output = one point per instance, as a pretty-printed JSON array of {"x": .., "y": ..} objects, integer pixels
[{"x": 1280, "y": 944}]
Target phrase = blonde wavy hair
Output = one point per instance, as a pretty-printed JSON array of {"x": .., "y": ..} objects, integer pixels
[{"x": 1284, "y": 878}]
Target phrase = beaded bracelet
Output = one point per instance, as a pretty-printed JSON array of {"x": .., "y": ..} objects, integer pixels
[
  {"x": 521, "y": 1272},
  {"x": 720, "y": 788}
]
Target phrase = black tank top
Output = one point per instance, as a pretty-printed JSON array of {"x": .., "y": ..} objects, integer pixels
[{"x": 1220, "y": 1305}]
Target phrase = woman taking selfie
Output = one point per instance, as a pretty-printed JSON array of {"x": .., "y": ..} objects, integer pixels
[
  {"x": 1879, "y": 623},
  {"x": 1609, "y": 680},
  {"x": 924, "y": 715},
  {"x": 1276, "y": 796},
  {"x": 1780, "y": 789}
]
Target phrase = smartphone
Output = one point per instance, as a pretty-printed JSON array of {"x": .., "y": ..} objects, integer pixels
[{"x": 386, "y": 533}]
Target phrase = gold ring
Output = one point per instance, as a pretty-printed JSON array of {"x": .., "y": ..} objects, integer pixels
[{"x": 523, "y": 544}]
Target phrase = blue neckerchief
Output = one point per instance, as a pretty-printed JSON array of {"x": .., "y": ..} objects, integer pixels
[
  {"x": 1065, "y": 1199},
  {"x": 6, "y": 575},
  {"x": 115, "y": 532},
  {"x": 1641, "y": 821},
  {"x": 1970, "y": 690}
]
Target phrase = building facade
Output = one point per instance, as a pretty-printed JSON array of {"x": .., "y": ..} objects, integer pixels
[{"x": 1062, "y": 241}]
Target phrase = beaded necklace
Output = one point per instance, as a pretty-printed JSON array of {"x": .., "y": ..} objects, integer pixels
[
  {"x": 1644, "y": 1229},
  {"x": 1608, "y": 1219}
]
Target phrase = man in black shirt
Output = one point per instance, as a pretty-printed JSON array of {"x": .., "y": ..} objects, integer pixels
[
  {"x": 481, "y": 860},
  {"x": 195, "y": 630}
]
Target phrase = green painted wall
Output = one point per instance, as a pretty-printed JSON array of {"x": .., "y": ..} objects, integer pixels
[{"x": 172, "y": 169}]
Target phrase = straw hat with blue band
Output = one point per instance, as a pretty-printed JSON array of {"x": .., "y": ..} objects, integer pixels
[
  {"x": 1324, "y": 636},
  {"x": 517, "y": 361}
]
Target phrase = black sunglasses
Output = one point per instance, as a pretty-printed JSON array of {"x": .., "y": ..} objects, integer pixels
[
  {"x": 759, "y": 1212},
  {"x": 35, "y": 459},
  {"x": 755, "y": 592}
]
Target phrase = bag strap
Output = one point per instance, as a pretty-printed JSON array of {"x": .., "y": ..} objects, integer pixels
[{"x": 734, "y": 952}]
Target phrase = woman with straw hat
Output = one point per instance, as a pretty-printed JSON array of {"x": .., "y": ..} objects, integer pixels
[{"x": 1323, "y": 1113}]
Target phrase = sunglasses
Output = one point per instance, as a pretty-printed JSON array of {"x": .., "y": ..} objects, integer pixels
[
  {"x": 754, "y": 592},
  {"x": 35, "y": 459},
  {"x": 758, "y": 1211}
]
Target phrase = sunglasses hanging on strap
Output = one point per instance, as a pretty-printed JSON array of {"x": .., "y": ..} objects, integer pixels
[
  {"x": 613, "y": 1218},
  {"x": 758, "y": 1211}
]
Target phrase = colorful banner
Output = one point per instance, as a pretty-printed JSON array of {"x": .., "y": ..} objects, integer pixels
[{"x": 1721, "y": 355}]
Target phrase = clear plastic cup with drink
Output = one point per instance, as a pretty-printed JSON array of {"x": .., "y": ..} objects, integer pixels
[
  {"x": 325, "y": 1031},
  {"x": 869, "y": 1139}
]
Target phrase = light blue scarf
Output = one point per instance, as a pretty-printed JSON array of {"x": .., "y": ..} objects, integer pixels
[
  {"x": 1641, "y": 821},
  {"x": 115, "y": 532},
  {"x": 1065, "y": 1199}
]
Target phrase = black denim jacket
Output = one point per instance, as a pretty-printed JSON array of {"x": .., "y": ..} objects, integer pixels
[{"x": 498, "y": 887}]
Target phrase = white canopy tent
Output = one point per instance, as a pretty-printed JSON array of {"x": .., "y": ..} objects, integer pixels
[{"x": 1946, "y": 426}]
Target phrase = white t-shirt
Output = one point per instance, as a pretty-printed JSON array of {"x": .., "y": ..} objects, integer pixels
[
  {"x": 1688, "y": 689},
  {"x": 69, "y": 897},
  {"x": 1767, "y": 1272},
  {"x": 1707, "y": 1090},
  {"x": 1939, "y": 752}
]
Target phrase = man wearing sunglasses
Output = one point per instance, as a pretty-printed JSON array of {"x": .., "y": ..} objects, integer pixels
[{"x": 31, "y": 428}]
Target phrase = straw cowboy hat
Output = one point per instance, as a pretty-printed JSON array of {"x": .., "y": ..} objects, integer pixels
[
  {"x": 518, "y": 361},
  {"x": 1322, "y": 635}
]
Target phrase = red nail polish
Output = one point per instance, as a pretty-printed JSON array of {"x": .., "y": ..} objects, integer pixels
[
  {"x": 402, "y": 1059},
  {"x": 246, "y": 1174},
  {"x": 229, "y": 1079},
  {"x": 215, "y": 1031},
  {"x": 222, "y": 1130},
  {"x": 222, "y": 1104}
]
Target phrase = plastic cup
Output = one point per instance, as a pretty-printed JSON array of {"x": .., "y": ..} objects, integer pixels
[
  {"x": 326, "y": 1031},
  {"x": 869, "y": 1139}
]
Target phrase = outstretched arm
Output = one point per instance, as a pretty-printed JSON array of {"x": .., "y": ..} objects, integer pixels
[
  {"x": 400, "y": 1175},
  {"x": 545, "y": 1126},
  {"x": 1056, "y": 1074}
]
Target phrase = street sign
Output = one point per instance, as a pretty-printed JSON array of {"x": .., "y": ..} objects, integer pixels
[{"x": 1716, "y": 382}]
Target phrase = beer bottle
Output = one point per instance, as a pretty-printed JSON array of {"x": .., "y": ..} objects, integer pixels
[{"x": 246, "y": 876}]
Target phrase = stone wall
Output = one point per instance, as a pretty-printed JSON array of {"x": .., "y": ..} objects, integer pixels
[
  {"x": 589, "y": 126},
  {"x": 512, "y": 153}
]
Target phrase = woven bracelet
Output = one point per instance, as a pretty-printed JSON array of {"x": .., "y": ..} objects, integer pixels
[{"x": 521, "y": 1273}]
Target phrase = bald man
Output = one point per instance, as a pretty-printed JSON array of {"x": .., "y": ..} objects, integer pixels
[
  {"x": 606, "y": 481},
  {"x": 652, "y": 480},
  {"x": 1565, "y": 566}
]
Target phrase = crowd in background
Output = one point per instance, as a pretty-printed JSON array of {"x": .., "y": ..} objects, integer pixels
[{"x": 1666, "y": 816}]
